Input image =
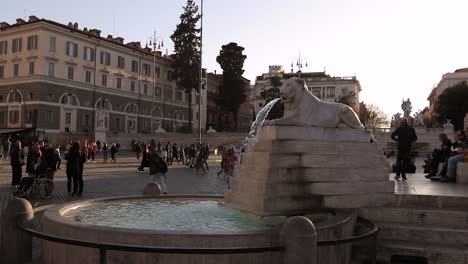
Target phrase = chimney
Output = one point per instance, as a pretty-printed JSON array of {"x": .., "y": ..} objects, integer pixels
[
  {"x": 20, "y": 21},
  {"x": 4, "y": 25},
  {"x": 70, "y": 24},
  {"x": 215, "y": 72},
  {"x": 33, "y": 18},
  {"x": 109, "y": 37},
  {"x": 95, "y": 32},
  {"x": 85, "y": 30},
  {"x": 75, "y": 26},
  {"x": 119, "y": 40}
]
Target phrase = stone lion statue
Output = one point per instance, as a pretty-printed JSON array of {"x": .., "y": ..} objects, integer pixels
[{"x": 302, "y": 108}]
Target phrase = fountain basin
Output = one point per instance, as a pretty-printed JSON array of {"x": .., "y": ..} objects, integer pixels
[{"x": 76, "y": 221}]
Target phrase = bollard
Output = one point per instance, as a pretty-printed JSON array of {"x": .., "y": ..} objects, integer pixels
[
  {"x": 16, "y": 244},
  {"x": 152, "y": 189},
  {"x": 299, "y": 238}
]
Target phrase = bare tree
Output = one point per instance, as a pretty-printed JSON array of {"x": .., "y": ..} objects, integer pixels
[{"x": 372, "y": 115}]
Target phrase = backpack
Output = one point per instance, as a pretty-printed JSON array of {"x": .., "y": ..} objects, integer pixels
[{"x": 163, "y": 166}]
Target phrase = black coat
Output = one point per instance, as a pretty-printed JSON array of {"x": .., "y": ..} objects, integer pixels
[
  {"x": 75, "y": 160},
  {"x": 404, "y": 135},
  {"x": 16, "y": 156}
]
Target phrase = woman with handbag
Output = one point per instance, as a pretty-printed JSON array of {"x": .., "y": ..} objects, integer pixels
[{"x": 16, "y": 161}]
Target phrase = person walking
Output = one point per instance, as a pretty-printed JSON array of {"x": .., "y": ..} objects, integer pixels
[
  {"x": 105, "y": 150},
  {"x": 16, "y": 161},
  {"x": 113, "y": 151},
  {"x": 76, "y": 157},
  {"x": 404, "y": 135},
  {"x": 158, "y": 169}
]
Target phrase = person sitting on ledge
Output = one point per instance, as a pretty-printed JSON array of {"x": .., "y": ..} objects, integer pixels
[
  {"x": 439, "y": 155},
  {"x": 460, "y": 151}
]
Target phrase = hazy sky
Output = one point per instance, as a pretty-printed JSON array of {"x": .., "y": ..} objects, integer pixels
[{"x": 396, "y": 48}]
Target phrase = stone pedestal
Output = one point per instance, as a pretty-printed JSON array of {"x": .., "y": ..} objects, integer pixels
[
  {"x": 462, "y": 173},
  {"x": 16, "y": 244},
  {"x": 292, "y": 170}
]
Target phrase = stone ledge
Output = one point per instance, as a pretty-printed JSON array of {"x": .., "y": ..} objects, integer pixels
[
  {"x": 314, "y": 133},
  {"x": 462, "y": 172}
]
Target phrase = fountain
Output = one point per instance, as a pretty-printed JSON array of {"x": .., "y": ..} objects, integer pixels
[{"x": 300, "y": 165}]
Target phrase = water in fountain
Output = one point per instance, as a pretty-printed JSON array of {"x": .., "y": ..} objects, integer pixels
[{"x": 251, "y": 138}]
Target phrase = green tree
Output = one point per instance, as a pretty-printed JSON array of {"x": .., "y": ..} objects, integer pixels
[
  {"x": 272, "y": 93},
  {"x": 452, "y": 104},
  {"x": 232, "y": 88},
  {"x": 186, "y": 58}
]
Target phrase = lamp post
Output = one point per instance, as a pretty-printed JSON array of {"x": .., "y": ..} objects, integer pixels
[
  {"x": 201, "y": 74},
  {"x": 157, "y": 44},
  {"x": 298, "y": 64}
]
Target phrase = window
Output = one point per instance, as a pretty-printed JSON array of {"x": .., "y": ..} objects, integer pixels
[
  {"x": 50, "y": 97},
  {"x": 30, "y": 96},
  {"x": 88, "y": 54},
  {"x": 3, "y": 47},
  {"x": 32, "y": 42},
  {"x": 169, "y": 75},
  {"x": 117, "y": 123},
  {"x": 132, "y": 86},
  {"x": 31, "y": 67},
  {"x": 105, "y": 58},
  {"x": 2, "y": 70},
  {"x": 49, "y": 116},
  {"x": 120, "y": 62},
  {"x": 85, "y": 120},
  {"x": 179, "y": 95},
  {"x": 52, "y": 41},
  {"x": 145, "y": 89},
  {"x": 330, "y": 91},
  {"x": 88, "y": 76},
  {"x": 28, "y": 118},
  {"x": 15, "y": 97},
  {"x": 317, "y": 91},
  {"x": 15, "y": 69},
  {"x": 157, "y": 91},
  {"x": 157, "y": 72},
  {"x": 68, "y": 119},
  {"x": 134, "y": 66},
  {"x": 72, "y": 49},
  {"x": 168, "y": 93},
  {"x": 2, "y": 118},
  {"x": 17, "y": 43},
  {"x": 146, "y": 69},
  {"x": 13, "y": 117},
  {"x": 119, "y": 83},
  {"x": 104, "y": 80},
  {"x": 71, "y": 72},
  {"x": 51, "y": 69}
]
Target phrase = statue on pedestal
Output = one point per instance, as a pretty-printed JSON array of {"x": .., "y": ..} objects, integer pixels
[{"x": 406, "y": 107}]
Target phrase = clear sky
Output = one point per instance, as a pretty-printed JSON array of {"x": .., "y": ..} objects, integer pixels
[{"x": 396, "y": 48}]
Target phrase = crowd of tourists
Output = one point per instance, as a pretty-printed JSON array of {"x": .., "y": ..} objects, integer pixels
[
  {"x": 42, "y": 159},
  {"x": 449, "y": 154}
]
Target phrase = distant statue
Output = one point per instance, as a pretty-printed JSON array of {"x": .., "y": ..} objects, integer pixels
[
  {"x": 406, "y": 107},
  {"x": 396, "y": 119},
  {"x": 302, "y": 108},
  {"x": 418, "y": 119}
]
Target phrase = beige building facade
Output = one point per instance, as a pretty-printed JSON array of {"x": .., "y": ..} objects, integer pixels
[
  {"x": 59, "y": 78},
  {"x": 324, "y": 86}
]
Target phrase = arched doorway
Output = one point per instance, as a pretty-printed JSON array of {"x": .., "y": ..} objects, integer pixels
[
  {"x": 131, "y": 114},
  {"x": 103, "y": 108},
  {"x": 156, "y": 118},
  {"x": 177, "y": 120},
  {"x": 68, "y": 111}
]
